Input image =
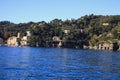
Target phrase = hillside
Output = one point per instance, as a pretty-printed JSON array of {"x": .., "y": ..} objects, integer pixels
[{"x": 89, "y": 30}]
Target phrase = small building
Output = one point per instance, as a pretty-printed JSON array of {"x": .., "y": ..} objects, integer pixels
[
  {"x": 82, "y": 30},
  {"x": 85, "y": 47},
  {"x": 19, "y": 40},
  {"x": 57, "y": 42},
  {"x": 13, "y": 41},
  {"x": 18, "y": 35},
  {"x": 101, "y": 46},
  {"x": 23, "y": 41},
  {"x": 95, "y": 47},
  {"x": 66, "y": 31},
  {"x": 28, "y": 33},
  {"x": 110, "y": 35},
  {"x": 105, "y": 46},
  {"x": 105, "y": 24},
  {"x": 56, "y": 38},
  {"x": 91, "y": 47}
]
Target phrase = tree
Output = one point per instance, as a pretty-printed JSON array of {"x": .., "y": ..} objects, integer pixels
[{"x": 6, "y": 35}]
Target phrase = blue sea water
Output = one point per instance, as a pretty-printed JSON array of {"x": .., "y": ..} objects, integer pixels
[{"x": 26, "y": 63}]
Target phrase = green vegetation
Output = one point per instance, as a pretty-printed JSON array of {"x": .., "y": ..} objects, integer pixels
[{"x": 87, "y": 30}]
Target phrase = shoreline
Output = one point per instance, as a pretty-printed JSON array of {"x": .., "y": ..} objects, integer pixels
[{"x": 61, "y": 48}]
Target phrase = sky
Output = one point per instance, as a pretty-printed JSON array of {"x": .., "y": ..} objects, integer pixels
[{"x": 20, "y": 11}]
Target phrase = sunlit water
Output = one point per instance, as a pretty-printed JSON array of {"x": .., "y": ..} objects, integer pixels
[{"x": 25, "y": 63}]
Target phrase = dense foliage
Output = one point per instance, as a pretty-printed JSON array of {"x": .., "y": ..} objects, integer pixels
[{"x": 87, "y": 30}]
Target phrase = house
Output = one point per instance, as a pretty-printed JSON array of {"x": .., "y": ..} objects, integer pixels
[
  {"x": 105, "y": 24},
  {"x": 18, "y": 35},
  {"x": 57, "y": 42},
  {"x": 56, "y": 38},
  {"x": 66, "y": 31},
  {"x": 16, "y": 41},
  {"x": 13, "y": 41},
  {"x": 24, "y": 39},
  {"x": 110, "y": 35},
  {"x": 82, "y": 30},
  {"x": 105, "y": 46},
  {"x": 101, "y": 46},
  {"x": 28, "y": 33}
]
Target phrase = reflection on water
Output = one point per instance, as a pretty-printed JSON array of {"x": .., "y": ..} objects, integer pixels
[{"x": 24, "y": 63}]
